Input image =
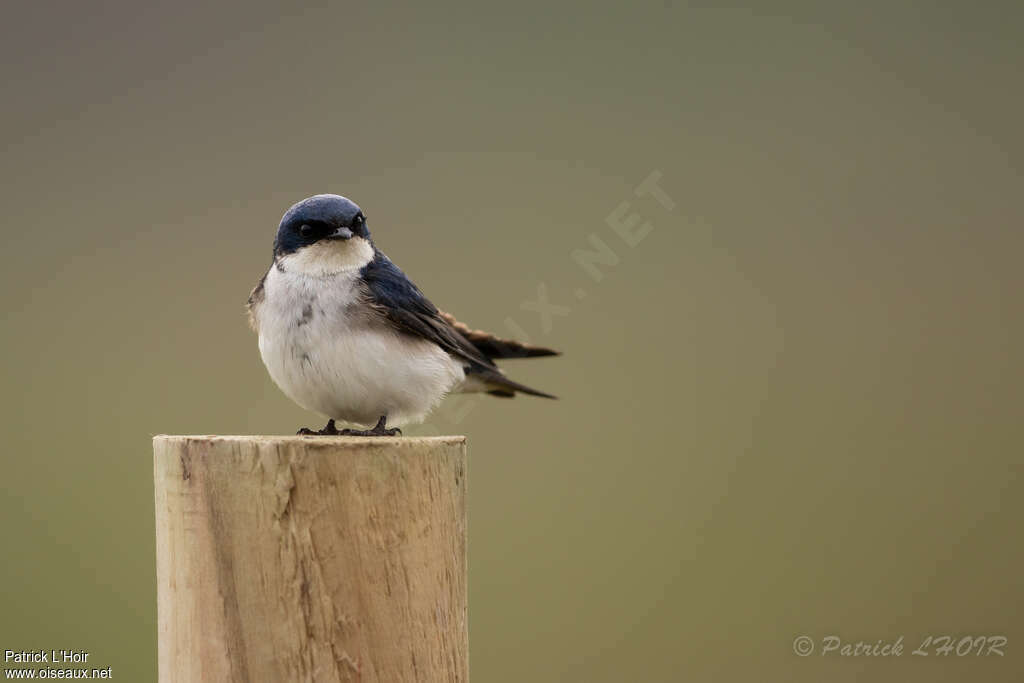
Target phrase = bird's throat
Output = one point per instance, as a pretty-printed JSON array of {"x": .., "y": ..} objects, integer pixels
[{"x": 328, "y": 257}]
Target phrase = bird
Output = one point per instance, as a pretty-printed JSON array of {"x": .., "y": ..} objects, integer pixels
[{"x": 345, "y": 333}]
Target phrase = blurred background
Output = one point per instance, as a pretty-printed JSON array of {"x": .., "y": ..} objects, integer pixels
[{"x": 790, "y": 403}]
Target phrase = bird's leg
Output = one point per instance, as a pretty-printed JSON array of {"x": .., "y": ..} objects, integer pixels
[
  {"x": 379, "y": 430},
  {"x": 329, "y": 430}
]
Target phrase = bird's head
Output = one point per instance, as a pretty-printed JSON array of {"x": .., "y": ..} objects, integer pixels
[{"x": 321, "y": 235}]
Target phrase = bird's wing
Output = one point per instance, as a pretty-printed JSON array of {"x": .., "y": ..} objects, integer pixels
[
  {"x": 496, "y": 347},
  {"x": 405, "y": 307},
  {"x": 256, "y": 297},
  {"x": 409, "y": 311}
]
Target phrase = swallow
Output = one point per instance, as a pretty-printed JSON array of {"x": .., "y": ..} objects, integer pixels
[{"x": 343, "y": 332}]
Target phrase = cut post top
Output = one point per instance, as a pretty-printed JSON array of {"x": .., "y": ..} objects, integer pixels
[{"x": 315, "y": 439}]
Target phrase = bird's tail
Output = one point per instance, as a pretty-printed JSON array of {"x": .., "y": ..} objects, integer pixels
[{"x": 498, "y": 384}]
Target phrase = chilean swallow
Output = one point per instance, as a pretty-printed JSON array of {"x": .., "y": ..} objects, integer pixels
[{"x": 343, "y": 331}]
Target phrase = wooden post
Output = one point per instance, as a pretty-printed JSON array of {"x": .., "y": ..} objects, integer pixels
[{"x": 311, "y": 558}]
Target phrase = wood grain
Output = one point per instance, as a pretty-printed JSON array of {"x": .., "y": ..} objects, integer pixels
[{"x": 311, "y": 558}]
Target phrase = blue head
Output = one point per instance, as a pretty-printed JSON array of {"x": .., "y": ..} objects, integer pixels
[{"x": 322, "y": 218}]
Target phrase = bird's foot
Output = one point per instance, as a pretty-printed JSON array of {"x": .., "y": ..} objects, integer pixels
[
  {"x": 329, "y": 430},
  {"x": 371, "y": 432},
  {"x": 379, "y": 430}
]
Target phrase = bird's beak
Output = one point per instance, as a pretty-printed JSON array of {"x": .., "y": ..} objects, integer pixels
[{"x": 340, "y": 234}]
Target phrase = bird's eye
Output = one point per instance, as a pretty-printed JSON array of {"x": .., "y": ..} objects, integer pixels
[
  {"x": 306, "y": 230},
  {"x": 358, "y": 220}
]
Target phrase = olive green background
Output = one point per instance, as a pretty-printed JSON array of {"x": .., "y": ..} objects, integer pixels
[{"x": 793, "y": 408}]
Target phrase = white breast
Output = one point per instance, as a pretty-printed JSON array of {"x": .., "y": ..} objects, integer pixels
[{"x": 328, "y": 356}]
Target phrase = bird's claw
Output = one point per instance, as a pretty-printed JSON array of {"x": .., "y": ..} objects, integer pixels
[{"x": 331, "y": 430}]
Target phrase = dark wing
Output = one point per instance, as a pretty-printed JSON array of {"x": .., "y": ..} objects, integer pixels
[
  {"x": 409, "y": 311},
  {"x": 496, "y": 347}
]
